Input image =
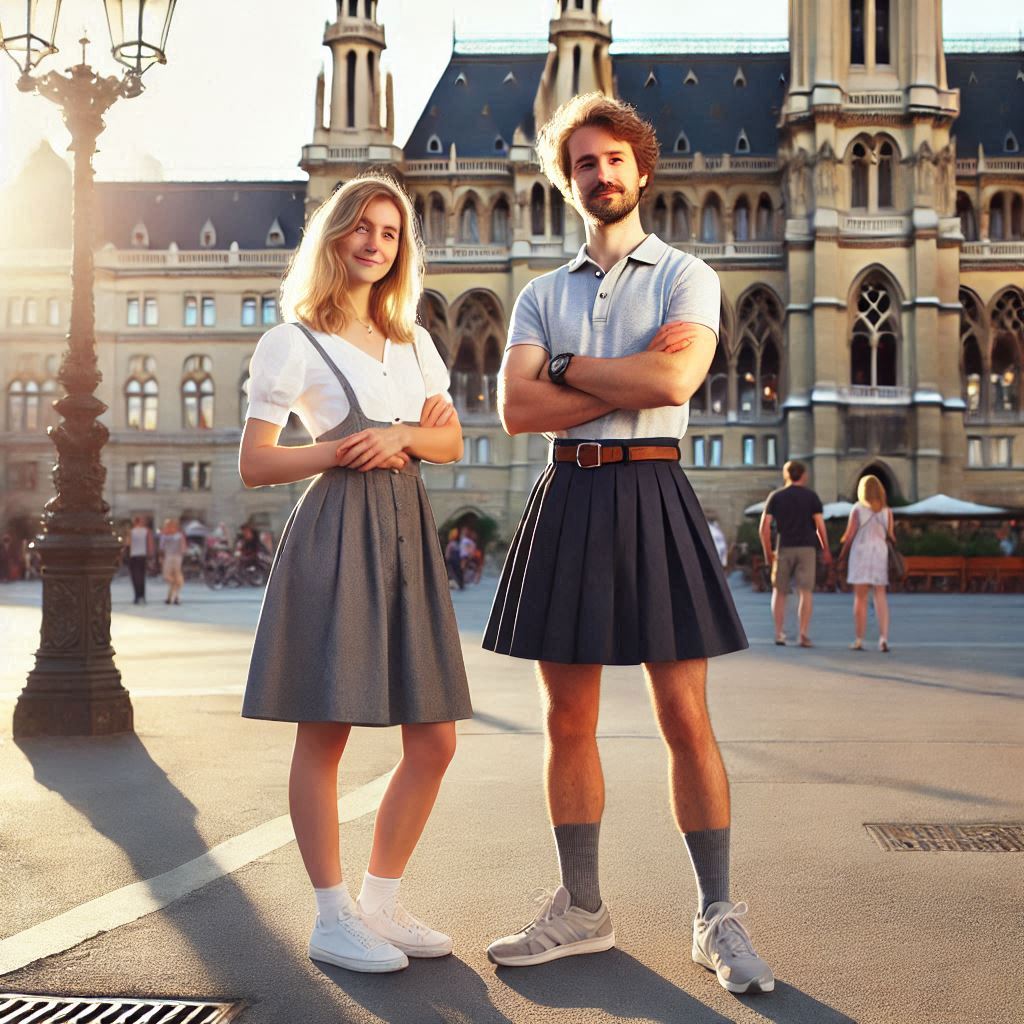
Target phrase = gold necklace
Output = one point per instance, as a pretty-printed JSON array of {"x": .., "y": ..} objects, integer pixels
[{"x": 366, "y": 324}]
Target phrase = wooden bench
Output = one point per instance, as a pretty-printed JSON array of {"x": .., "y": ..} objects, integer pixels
[
  {"x": 922, "y": 571},
  {"x": 997, "y": 574}
]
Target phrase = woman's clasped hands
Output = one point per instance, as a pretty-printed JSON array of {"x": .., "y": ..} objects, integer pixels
[{"x": 385, "y": 447}]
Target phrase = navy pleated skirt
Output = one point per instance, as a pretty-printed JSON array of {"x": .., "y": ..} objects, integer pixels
[{"x": 613, "y": 566}]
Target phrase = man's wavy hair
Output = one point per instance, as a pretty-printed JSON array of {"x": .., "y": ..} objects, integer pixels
[
  {"x": 315, "y": 285},
  {"x": 593, "y": 109}
]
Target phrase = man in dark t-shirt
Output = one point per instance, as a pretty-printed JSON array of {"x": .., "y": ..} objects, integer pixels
[{"x": 800, "y": 524}]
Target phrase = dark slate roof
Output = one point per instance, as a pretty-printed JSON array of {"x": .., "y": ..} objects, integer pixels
[
  {"x": 455, "y": 113},
  {"x": 989, "y": 107},
  {"x": 241, "y": 211},
  {"x": 712, "y": 111}
]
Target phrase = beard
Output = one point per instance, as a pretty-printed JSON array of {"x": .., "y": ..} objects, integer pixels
[{"x": 611, "y": 207}]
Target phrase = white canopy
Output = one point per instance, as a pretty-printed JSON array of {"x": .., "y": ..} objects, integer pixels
[{"x": 942, "y": 506}]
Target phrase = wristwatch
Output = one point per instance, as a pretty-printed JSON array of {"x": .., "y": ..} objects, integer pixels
[{"x": 558, "y": 366}]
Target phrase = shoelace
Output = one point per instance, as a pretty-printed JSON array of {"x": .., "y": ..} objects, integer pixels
[
  {"x": 358, "y": 931},
  {"x": 404, "y": 919},
  {"x": 543, "y": 899},
  {"x": 726, "y": 929}
]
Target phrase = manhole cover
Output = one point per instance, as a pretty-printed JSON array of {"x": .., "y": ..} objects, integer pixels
[
  {"x": 945, "y": 839},
  {"x": 25, "y": 1009}
]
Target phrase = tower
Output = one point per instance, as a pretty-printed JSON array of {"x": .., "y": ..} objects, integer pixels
[
  {"x": 354, "y": 127},
  {"x": 873, "y": 242},
  {"x": 578, "y": 59}
]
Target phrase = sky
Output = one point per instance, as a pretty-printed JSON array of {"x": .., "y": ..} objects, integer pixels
[{"x": 235, "y": 99}]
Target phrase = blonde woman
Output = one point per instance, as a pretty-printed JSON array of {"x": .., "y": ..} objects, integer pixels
[
  {"x": 172, "y": 553},
  {"x": 357, "y": 625},
  {"x": 865, "y": 542}
]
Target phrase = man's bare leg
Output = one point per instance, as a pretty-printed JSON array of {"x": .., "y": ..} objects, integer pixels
[
  {"x": 779, "y": 611},
  {"x": 805, "y": 608}
]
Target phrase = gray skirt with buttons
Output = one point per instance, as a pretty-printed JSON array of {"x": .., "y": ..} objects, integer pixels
[{"x": 357, "y": 623}]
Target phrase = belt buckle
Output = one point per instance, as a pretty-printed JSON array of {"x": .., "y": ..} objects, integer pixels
[{"x": 588, "y": 444}]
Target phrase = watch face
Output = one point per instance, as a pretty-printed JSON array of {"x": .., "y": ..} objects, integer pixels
[{"x": 559, "y": 363}]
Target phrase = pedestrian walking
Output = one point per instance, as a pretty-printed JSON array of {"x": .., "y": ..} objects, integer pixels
[
  {"x": 800, "y": 527},
  {"x": 140, "y": 551},
  {"x": 468, "y": 556},
  {"x": 866, "y": 545},
  {"x": 357, "y": 625},
  {"x": 721, "y": 544},
  {"x": 172, "y": 554},
  {"x": 453, "y": 558},
  {"x": 612, "y": 563}
]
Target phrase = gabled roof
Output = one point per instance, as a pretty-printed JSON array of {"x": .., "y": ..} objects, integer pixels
[
  {"x": 486, "y": 103},
  {"x": 241, "y": 211},
  {"x": 991, "y": 103},
  {"x": 713, "y": 110}
]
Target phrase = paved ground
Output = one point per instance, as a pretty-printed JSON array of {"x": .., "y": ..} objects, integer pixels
[{"x": 817, "y": 743}]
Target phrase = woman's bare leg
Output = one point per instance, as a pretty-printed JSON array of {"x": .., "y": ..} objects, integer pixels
[
  {"x": 882, "y": 611},
  {"x": 427, "y": 750},
  {"x": 860, "y": 610},
  {"x": 313, "y": 798}
]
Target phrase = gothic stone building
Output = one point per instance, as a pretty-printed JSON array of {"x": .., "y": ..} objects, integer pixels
[{"x": 861, "y": 195}]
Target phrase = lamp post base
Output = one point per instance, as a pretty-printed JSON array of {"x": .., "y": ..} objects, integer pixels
[{"x": 75, "y": 688}]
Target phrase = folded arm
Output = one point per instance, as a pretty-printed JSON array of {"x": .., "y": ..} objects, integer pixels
[
  {"x": 649, "y": 380},
  {"x": 262, "y": 461}
]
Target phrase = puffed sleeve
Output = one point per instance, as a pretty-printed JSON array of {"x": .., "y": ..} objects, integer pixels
[
  {"x": 435, "y": 373},
  {"x": 277, "y": 374}
]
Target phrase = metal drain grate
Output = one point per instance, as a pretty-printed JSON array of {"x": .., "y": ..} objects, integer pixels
[
  {"x": 27, "y": 1009},
  {"x": 944, "y": 839}
]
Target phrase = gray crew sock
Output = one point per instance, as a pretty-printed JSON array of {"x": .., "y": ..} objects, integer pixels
[
  {"x": 577, "y": 859},
  {"x": 709, "y": 855}
]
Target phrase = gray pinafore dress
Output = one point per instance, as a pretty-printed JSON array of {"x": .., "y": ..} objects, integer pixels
[{"x": 357, "y": 623}]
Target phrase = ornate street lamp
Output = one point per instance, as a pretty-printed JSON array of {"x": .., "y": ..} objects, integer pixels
[{"x": 75, "y": 688}]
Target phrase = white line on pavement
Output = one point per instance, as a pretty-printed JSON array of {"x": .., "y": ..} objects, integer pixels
[{"x": 131, "y": 902}]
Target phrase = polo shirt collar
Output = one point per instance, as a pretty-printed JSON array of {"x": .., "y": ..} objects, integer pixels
[{"x": 649, "y": 251}]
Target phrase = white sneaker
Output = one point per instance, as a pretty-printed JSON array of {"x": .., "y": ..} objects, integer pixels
[
  {"x": 395, "y": 925},
  {"x": 350, "y": 944},
  {"x": 722, "y": 944}
]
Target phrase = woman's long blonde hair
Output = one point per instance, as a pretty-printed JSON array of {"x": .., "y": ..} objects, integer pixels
[
  {"x": 315, "y": 285},
  {"x": 870, "y": 492}
]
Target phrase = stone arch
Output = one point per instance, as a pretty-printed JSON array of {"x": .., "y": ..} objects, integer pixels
[
  {"x": 711, "y": 222},
  {"x": 433, "y": 315},
  {"x": 468, "y": 217},
  {"x": 1006, "y": 349},
  {"x": 875, "y": 329},
  {"x": 477, "y": 321},
  {"x": 759, "y": 331},
  {"x": 973, "y": 352},
  {"x": 885, "y": 473}
]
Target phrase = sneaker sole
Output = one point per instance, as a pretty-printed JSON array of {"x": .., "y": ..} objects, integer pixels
[
  {"x": 362, "y": 966},
  {"x": 761, "y": 984},
  {"x": 440, "y": 949},
  {"x": 598, "y": 944}
]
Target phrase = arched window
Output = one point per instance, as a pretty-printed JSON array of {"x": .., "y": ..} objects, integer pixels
[
  {"x": 1007, "y": 346},
  {"x": 197, "y": 393},
  {"x": 680, "y": 229},
  {"x": 483, "y": 451},
  {"x": 659, "y": 217},
  {"x": 881, "y": 31},
  {"x": 856, "y": 31},
  {"x": 741, "y": 220},
  {"x": 759, "y": 336},
  {"x": 434, "y": 145},
  {"x": 421, "y": 219},
  {"x": 972, "y": 344},
  {"x": 436, "y": 221},
  {"x": 499, "y": 222},
  {"x": 711, "y": 220},
  {"x": 557, "y": 212},
  {"x": 537, "y": 209},
  {"x": 965, "y": 211},
  {"x": 575, "y": 69},
  {"x": 765, "y": 216},
  {"x": 350, "y": 89},
  {"x": 492, "y": 367},
  {"x": 682, "y": 143},
  {"x": 467, "y": 393},
  {"x": 873, "y": 347},
  {"x": 859, "y": 177},
  {"x": 885, "y": 162},
  {"x": 996, "y": 219},
  {"x": 479, "y": 339},
  {"x": 746, "y": 382},
  {"x": 141, "y": 393},
  {"x": 469, "y": 224},
  {"x": 1016, "y": 217}
]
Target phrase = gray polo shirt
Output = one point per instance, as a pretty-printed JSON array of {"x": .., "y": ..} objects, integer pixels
[{"x": 578, "y": 308}]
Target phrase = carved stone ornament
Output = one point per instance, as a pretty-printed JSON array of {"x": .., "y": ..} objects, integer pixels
[{"x": 826, "y": 170}]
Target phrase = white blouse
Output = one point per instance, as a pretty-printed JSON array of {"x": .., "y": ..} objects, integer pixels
[{"x": 287, "y": 374}]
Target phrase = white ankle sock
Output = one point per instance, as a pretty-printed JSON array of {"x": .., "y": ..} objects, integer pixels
[
  {"x": 377, "y": 892},
  {"x": 332, "y": 902}
]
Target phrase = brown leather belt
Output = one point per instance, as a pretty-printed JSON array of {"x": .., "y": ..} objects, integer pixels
[{"x": 592, "y": 454}]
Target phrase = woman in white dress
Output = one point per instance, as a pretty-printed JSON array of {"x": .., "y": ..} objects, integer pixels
[{"x": 866, "y": 543}]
